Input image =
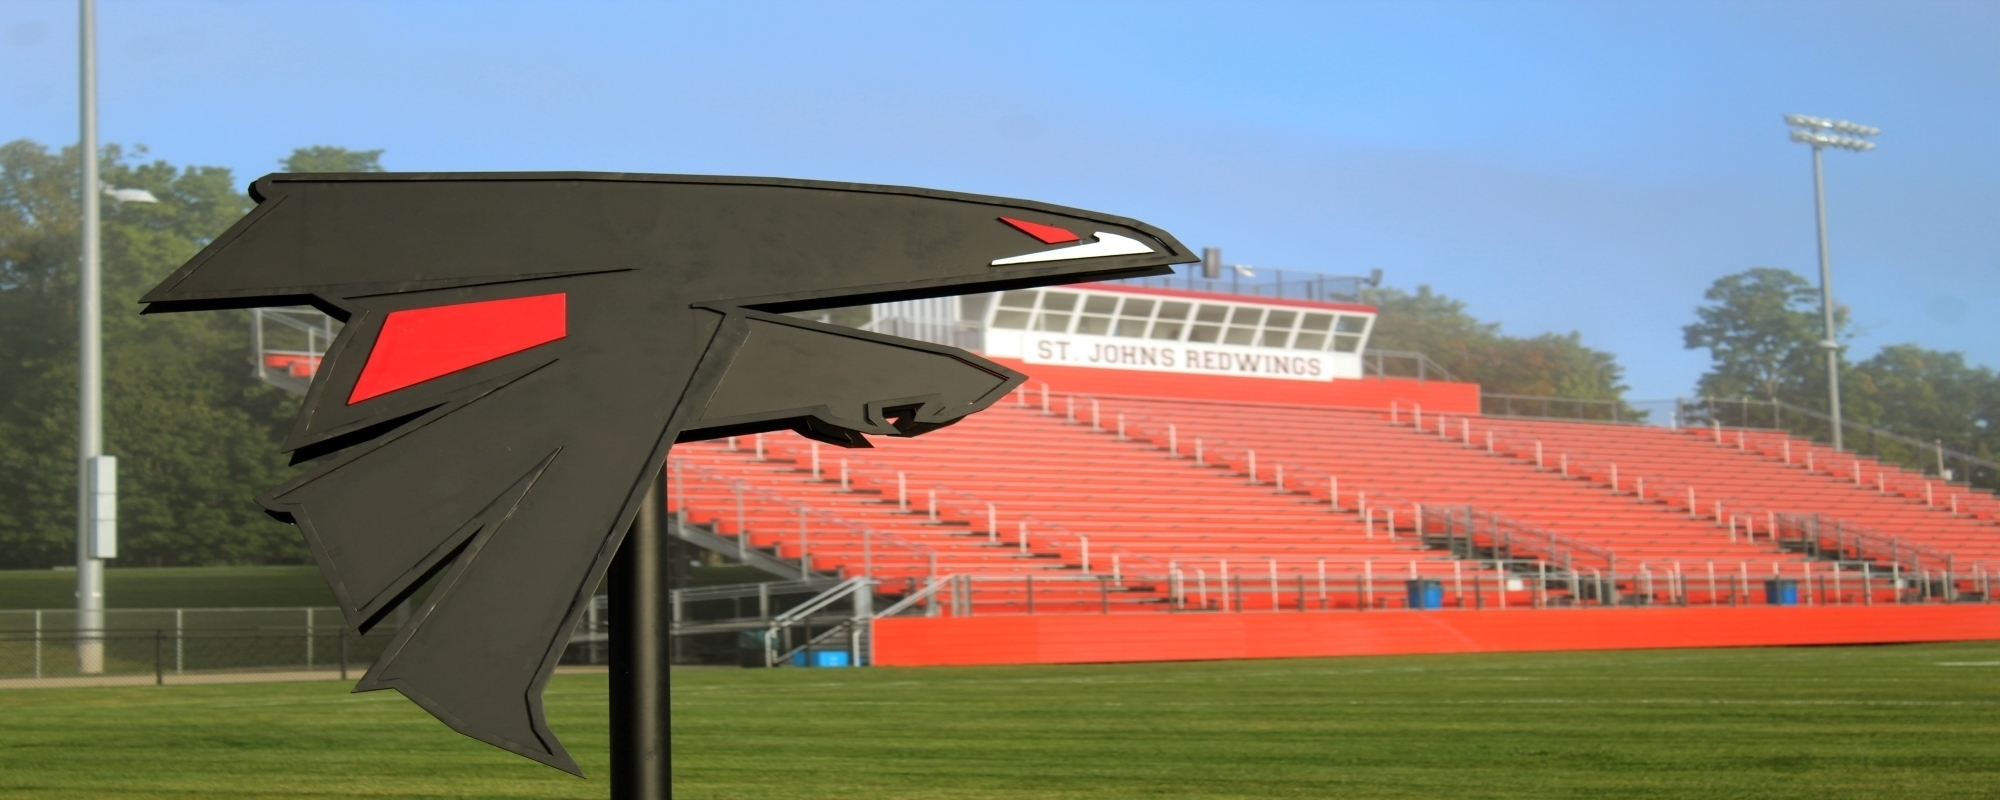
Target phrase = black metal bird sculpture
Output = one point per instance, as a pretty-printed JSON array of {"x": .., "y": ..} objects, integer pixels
[{"x": 522, "y": 349}]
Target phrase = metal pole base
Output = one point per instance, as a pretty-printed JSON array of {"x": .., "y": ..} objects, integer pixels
[{"x": 638, "y": 656}]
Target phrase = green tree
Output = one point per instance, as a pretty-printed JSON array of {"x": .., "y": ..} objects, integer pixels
[
  {"x": 1928, "y": 395},
  {"x": 1549, "y": 365},
  {"x": 1762, "y": 328},
  {"x": 324, "y": 158},
  {"x": 196, "y": 434}
]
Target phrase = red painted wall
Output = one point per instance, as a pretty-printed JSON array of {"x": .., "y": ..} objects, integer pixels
[
  {"x": 1081, "y": 639},
  {"x": 1456, "y": 398}
]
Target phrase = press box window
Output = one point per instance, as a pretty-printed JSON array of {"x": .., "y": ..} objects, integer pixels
[
  {"x": 1208, "y": 324},
  {"x": 1133, "y": 318},
  {"x": 1172, "y": 319},
  {"x": 1015, "y": 309},
  {"x": 1243, "y": 325},
  {"x": 1278, "y": 328},
  {"x": 1097, "y": 311},
  {"x": 1312, "y": 332},
  {"x": 1347, "y": 333},
  {"x": 1056, "y": 308}
]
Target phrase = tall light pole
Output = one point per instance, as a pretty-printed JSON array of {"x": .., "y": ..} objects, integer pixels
[
  {"x": 97, "y": 473},
  {"x": 1821, "y": 134}
]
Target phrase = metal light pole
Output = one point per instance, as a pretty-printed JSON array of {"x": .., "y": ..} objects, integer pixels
[
  {"x": 97, "y": 488},
  {"x": 1821, "y": 134}
]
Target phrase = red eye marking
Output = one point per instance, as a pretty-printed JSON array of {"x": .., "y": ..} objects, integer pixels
[
  {"x": 1049, "y": 234},
  {"x": 419, "y": 344}
]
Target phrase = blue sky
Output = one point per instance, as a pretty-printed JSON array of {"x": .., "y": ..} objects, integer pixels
[{"x": 1560, "y": 166}]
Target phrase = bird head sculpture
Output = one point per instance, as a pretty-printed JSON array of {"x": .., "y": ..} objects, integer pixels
[{"x": 521, "y": 351}]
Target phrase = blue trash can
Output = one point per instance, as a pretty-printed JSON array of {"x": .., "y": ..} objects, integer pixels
[
  {"x": 1425, "y": 593},
  {"x": 1781, "y": 592},
  {"x": 829, "y": 658},
  {"x": 820, "y": 658}
]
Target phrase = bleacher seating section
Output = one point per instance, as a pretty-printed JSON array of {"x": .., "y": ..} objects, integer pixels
[{"x": 1118, "y": 503}]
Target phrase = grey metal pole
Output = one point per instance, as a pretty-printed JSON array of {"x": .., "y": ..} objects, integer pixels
[
  {"x": 1831, "y": 344},
  {"x": 90, "y": 368},
  {"x": 638, "y": 653}
]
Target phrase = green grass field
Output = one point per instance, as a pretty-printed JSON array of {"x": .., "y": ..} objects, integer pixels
[{"x": 1889, "y": 722}]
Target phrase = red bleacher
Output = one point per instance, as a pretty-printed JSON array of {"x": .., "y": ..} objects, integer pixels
[{"x": 1129, "y": 504}]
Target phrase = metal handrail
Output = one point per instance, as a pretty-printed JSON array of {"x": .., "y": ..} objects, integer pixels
[
  {"x": 1727, "y": 511},
  {"x": 930, "y": 589},
  {"x": 1943, "y": 453},
  {"x": 740, "y": 590},
  {"x": 1616, "y": 408},
  {"x": 1426, "y": 368},
  {"x": 869, "y": 534}
]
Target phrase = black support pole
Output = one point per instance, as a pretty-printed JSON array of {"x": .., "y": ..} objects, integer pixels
[{"x": 638, "y": 652}]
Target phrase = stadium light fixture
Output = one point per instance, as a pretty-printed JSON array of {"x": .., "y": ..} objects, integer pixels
[
  {"x": 130, "y": 195},
  {"x": 1823, "y": 133}
]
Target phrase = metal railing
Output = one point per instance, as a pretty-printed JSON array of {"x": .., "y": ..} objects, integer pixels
[
  {"x": 1745, "y": 520},
  {"x": 38, "y": 644},
  {"x": 1564, "y": 408},
  {"x": 858, "y": 591},
  {"x": 1402, "y": 364},
  {"x": 1276, "y": 283},
  {"x": 872, "y": 543},
  {"x": 1931, "y": 457},
  {"x": 1316, "y": 585}
]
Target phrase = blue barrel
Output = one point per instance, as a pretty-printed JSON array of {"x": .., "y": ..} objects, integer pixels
[
  {"x": 1781, "y": 592},
  {"x": 1425, "y": 593},
  {"x": 829, "y": 658}
]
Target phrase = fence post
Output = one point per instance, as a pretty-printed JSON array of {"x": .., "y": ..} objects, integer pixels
[
  {"x": 805, "y": 547},
  {"x": 38, "y": 643},
  {"x": 309, "y": 638},
  {"x": 343, "y": 652},
  {"x": 180, "y": 650},
  {"x": 742, "y": 532},
  {"x": 159, "y": 669}
]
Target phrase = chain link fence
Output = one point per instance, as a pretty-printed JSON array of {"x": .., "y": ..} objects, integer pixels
[{"x": 44, "y": 648}]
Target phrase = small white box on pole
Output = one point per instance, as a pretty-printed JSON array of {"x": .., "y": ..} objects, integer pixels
[{"x": 101, "y": 477}]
